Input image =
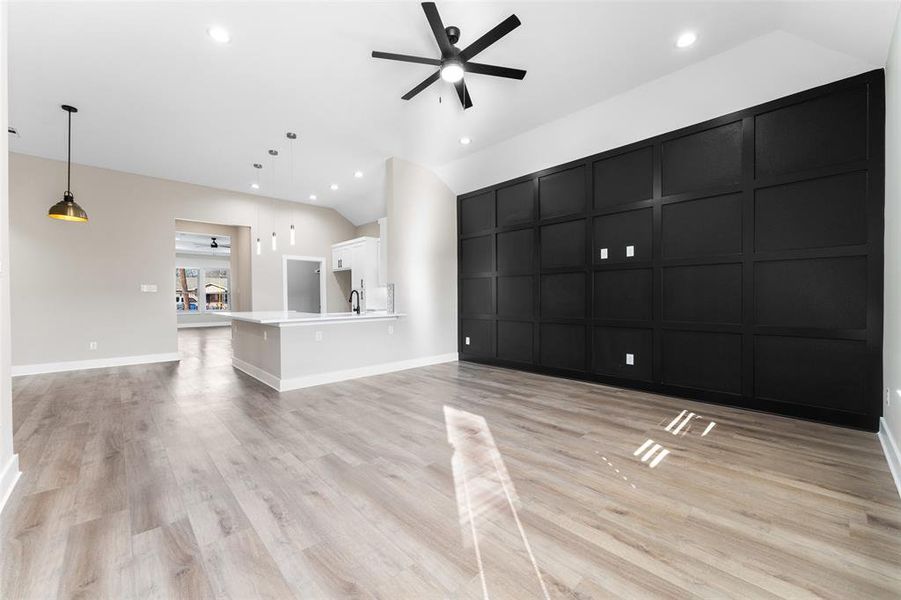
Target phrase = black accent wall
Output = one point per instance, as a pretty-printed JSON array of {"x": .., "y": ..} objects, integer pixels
[{"x": 737, "y": 261}]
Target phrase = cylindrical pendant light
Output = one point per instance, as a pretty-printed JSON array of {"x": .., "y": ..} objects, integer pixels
[
  {"x": 291, "y": 137},
  {"x": 274, "y": 154},
  {"x": 258, "y": 166},
  {"x": 67, "y": 209}
]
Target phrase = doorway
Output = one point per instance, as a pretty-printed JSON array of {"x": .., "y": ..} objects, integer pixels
[{"x": 303, "y": 284}]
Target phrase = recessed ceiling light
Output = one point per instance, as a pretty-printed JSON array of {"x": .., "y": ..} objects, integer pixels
[
  {"x": 465, "y": 140},
  {"x": 312, "y": 196},
  {"x": 333, "y": 187},
  {"x": 686, "y": 39},
  {"x": 358, "y": 174},
  {"x": 219, "y": 34},
  {"x": 255, "y": 186}
]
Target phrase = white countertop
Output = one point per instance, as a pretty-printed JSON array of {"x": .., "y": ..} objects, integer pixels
[{"x": 281, "y": 318}]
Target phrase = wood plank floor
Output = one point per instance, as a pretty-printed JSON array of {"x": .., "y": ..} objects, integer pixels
[{"x": 192, "y": 480}]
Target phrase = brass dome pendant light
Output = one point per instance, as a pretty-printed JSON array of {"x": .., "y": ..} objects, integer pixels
[{"x": 67, "y": 209}]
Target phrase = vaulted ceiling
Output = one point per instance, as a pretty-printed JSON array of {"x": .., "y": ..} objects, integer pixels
[{"x": 158, "y": 97}]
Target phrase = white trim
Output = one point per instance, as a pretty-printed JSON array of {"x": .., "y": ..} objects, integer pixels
[
  {"x": 322, "y": 282},
  {"x": 257, "y": 373},
  {"x": 296, "y": 383},
  {"x": 892, "y": 454},
  {"x": 8, "y": 478},
  {"x": 203, "y": 324},
  {"x": 97, "y": 363}
]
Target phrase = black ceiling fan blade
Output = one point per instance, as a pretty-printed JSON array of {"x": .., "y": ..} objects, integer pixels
[
  {"x": 425, "y": 83},
  {"x": 499, "y": 31},
  {"x": 431, "y": 13},
  {"x": 493, "y": 70},
  {"x": 463, "y": 94},
  {"x": 406, "y": 58}
]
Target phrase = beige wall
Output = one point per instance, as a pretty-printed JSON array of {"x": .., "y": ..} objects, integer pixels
[
  {"x": 892, "y": 328},
  {"x": 422, "y": 257},
  {"x": 368, "y": 230},
  {"x": 76, "y": 283},
  {"x": 9, "y": 464}
]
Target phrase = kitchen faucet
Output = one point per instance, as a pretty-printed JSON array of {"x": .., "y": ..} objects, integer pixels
[{"x": 351, "y": 300}]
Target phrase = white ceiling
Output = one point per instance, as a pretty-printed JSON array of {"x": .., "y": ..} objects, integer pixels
[{"x": 158, "y": 97}]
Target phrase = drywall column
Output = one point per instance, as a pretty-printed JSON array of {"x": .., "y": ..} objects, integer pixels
[
  {"x": 422, "y": 260},
  {"x": 890, "y": 426},
  {"x": 9, "y": 461}
]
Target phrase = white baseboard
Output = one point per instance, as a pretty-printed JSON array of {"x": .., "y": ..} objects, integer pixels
[
  {"x": 8, "y": 478},
  {"x": 296, "y": 383},
  {"x": 97, "y": 363},
  {"x": 892, "y": 453},
  {"x": 257, "y": 373},
  {"x": 201, "y": 324}
]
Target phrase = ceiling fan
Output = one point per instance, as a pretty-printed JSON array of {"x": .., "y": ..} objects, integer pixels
[{"x": 454, "y": 63}]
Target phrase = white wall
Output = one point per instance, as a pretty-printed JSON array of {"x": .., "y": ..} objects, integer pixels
[
  {"x": 9, "y": 463},
  {"x": 766, "y": 68},
  {"x": 422, "y": 258},
  {"x": 891, "y": 425},
  {"x": 94, "y": 270}
]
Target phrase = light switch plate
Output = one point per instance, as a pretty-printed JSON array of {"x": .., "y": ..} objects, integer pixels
[
  {"x": 390, "y": 329},
  {"x": 630, "y": 359},
  {"x": 148, "y": 287},
  {"x": 318, "y": 336},
  {"x": 630, "y": 251},
  {"x": 603, "y": 254},
  {"x": 466, "y": 341}
]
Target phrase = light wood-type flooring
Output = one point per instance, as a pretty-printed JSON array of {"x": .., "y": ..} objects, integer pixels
[{"x": 192, "y": 480}]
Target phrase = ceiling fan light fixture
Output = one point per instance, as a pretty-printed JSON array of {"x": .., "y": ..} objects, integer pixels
[{"x": 452, "y": 71}]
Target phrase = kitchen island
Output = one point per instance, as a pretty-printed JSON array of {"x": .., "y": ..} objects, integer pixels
[{"x": 291, "y": 350}]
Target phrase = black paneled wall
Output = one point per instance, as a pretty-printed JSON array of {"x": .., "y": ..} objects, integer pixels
[{"x": 737, "y": 261}]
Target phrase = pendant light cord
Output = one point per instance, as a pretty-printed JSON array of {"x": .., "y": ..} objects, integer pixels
[{"x": 69, "y": 159}]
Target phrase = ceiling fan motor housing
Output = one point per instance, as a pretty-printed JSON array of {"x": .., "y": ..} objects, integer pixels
[{"x": 453, "y": 34}]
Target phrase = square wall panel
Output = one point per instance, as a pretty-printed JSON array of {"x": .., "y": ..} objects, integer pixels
[
  {"x": 702, "y": 160},
  {"x": 614, "y": 347},
  {"x": 563, "y": 244},
  {"x": 828, "y": 293},
  {"x": 477, "y": 213},
  {"x": 562, "y": 193},
  {"x": 824, "y": 131},
  {"x": 625, "y": 294},
  {"x": 702, "y": 360},
  {"x": 817, "y": 213},
  {"x": 516, "y": 204},
  {"x": 624, "y": 178},
  {"x": 618, "y": 231},
  {"x": 514, "y": 341},
  {"x": 814, "y": 372},
  {"x": 477, "y": 254},
  {"x": 515, "y": 296},
  {"x": 563, "y": 346},
  {"x": 702, "y": 293},
  {"x": 563, "y": 296},
  {"x": 515, "y": 251},
  {"x": 480, "y": 333},
  {"x": 477, "y": 296},
  {"x": 704, "y": 227}
]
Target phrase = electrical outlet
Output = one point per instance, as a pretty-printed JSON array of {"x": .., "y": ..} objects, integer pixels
[
  {"x": 603, "y": 254},
  {"x": 630, "y": 251},
  {"x": 466, "y": 341},
  {"x": 630, "y": 359},
  {"x": 888, "y": 397},
  {"x": 92, "y": 345},
  {"x": 318, "y": 336},
  {"x": 390, "y": 329},
  {"x": 265, "y": 335}
]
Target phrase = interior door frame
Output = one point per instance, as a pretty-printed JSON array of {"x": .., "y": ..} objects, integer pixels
[{"x": 321, "y": 260}]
